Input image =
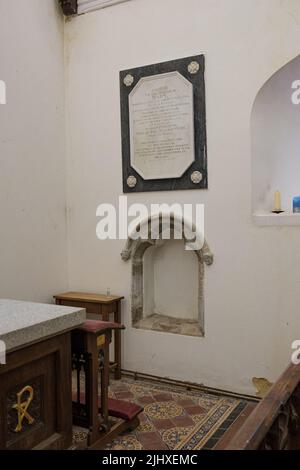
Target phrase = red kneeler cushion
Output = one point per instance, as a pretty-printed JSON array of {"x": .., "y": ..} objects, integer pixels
[
  {"x": 123, "y": 409},
  {"x": 116, "y": 408}
]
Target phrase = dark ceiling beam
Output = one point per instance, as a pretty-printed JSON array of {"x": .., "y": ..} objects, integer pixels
[{"x": 69, "y": 7}]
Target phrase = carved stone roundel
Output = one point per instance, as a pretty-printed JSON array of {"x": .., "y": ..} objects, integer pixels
[
  {"x": 193, "y": 67},
  {"x": 196, "y": 177},
  {"x": 131, "y": 181},
  {"x": 128, "y": 80}
]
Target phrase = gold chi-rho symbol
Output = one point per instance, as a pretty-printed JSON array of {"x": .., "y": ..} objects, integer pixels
[{"x": 22, "y": 407}]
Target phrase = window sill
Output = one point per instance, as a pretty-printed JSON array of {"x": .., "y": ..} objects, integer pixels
[{"x": 271, "y": 220}]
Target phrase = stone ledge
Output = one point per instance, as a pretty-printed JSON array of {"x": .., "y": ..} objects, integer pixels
[{"x": 167, "y": 324}]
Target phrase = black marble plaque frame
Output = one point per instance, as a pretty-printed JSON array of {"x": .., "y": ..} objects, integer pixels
[{"x": 200, "y": 163}]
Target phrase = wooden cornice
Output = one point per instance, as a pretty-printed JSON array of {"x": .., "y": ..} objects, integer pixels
[{"x": 69, "y": 7}]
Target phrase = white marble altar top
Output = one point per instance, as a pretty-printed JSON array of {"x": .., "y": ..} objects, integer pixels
[{"x": 22, "y": 323}]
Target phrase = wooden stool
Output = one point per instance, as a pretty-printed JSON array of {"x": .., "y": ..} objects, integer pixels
[
  {"x": 90, "y": 353},
  {"x": 104, "y": 306}
]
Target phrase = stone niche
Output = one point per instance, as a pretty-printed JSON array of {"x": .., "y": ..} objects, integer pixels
[{"x": 167, "y": 292}]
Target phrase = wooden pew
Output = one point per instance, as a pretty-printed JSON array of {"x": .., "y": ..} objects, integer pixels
[{"x": 275, "y": 422}]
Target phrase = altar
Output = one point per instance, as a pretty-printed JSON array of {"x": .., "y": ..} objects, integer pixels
[{"x": 35, "y": 381}]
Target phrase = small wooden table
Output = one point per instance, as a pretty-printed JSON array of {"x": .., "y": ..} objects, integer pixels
[{"x": 104, "y": 306}]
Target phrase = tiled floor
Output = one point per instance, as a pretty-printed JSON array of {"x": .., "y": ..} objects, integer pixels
[{"x": 174, "y": 417}]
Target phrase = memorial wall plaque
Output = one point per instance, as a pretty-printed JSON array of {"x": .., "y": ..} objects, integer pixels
[{"x": 164, "y": 126}]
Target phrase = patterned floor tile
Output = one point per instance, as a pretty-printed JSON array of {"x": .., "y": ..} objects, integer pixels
[
  {"x": 186, "y": 402},
  {"x": 163, "y": 410},
  {"x": 194, "y": 410},
  {"x": 163, "y": 397},
  {"x": 162, "y": 424},
  {"x": 183, "y": 421},
  {"x": 173, "y": 417}
]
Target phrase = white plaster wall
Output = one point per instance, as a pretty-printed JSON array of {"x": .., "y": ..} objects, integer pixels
[
  {"x": 171, "y": 281},
  {"x": 252, "y": 289},
  {"x": 276, "y": 141},
  {"x": 33, "y": 261}
]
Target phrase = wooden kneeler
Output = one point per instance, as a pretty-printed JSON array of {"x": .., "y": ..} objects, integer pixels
[{"x": 90, "y": 354}]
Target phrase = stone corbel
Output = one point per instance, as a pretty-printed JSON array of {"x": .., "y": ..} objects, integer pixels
[
  {"x": 69, "y": 7},
  {"x": 207, "y": 255},
  {"x": 127, "y": 250}
]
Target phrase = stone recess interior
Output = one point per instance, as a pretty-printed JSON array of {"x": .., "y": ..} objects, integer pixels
[{"x": 172, "y": 322}]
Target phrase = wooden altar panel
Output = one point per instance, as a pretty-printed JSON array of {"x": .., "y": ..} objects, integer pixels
[{"x": 45, "y": 368}]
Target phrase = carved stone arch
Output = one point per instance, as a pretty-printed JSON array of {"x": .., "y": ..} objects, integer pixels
[{"x": 135, "y": 250}]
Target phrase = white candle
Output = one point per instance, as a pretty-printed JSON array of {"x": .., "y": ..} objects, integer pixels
[{"x": 277, "y": 201}]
